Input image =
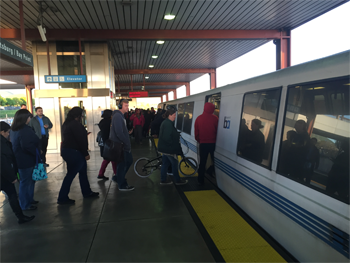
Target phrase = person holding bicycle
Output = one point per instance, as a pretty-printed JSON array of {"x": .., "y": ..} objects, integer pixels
[{"x": 169, "y": 146}]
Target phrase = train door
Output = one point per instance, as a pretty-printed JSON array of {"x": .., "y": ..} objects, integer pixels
[
  {"x": 216, "y": 100},
  {"x": 67, "y": 104}
]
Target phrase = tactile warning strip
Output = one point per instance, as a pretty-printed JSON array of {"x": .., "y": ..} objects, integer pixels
[{"x": 236, "y": 240}]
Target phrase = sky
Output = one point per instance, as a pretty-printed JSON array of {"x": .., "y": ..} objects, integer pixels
[{"x": 321, "y": 37}]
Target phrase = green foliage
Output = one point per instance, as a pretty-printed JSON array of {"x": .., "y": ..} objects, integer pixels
[
  {"x": 23, "y": 101},
  {"x": 16, "y": 101},
  {"x": 10, "y": 113},
  {"x": 10, "y": 102},
  {"x": 2, "y": 101}
]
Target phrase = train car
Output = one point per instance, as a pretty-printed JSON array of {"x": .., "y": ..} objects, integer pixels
[{"x": 295, "y": 181}]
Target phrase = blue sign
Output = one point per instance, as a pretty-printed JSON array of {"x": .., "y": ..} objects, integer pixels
[
  {"x": 227, "y": 122},
  {"x": 65, "y": 78}
]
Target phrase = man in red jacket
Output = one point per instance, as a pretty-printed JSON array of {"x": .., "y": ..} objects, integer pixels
[{"x": 205, "y": 129}]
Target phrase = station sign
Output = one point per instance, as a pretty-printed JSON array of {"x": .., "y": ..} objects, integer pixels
[
  {"x": 65, "y": 78},
  {"x": 14, "y": 54},
  {"x": 138, "y": 94}
]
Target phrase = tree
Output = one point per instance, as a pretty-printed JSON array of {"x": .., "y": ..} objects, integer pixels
[
  {"x": 23, "y": 101},
  {"x": 16, "y": 101},
  {"x": 9, "y": 102},
  {"x": 2, "y": 101}
]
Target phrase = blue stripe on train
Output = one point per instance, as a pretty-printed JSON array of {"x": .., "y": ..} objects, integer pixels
[{"x": 304, "y": 218}]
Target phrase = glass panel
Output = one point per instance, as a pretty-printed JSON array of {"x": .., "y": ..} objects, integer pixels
[
  {"x": 257, "y": 129},
  {"x": 188, "y": 117},
  {"x": 70, "y": 64},
  {"x": 215, "y": 99},
  {"x": 315, "y": 146},
  {"x": 180, "y": 116}
]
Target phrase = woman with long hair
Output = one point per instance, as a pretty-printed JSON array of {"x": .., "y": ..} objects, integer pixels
[
  {"x": 169, "y": 146},
  {"x": 9, "y": 173},
  {"x": 105, "y": 127},
  {"x": 25, "y": 145},
  {"x": 75, "y": 153}
]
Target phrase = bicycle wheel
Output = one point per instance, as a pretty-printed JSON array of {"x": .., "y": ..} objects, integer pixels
[
  {"x": 188, "y": 166},
  {"x": 144, "y": 167}
]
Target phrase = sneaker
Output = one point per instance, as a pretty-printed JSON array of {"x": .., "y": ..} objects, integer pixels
[
  {"x": 167, "y": 181},
  {"x": 46, "y": 165},
  {"x": 24, "y": 219},
  {"x": 126, "y": 188},
  {"x": 92, "y": 194},
  {"x": 181, "y": 182},
  {"x": 102, "y": 177},
  {"x": 34, "y": 202},
  {"x": 32, "y": 207},
  {"x": 169, "y": 173},
  {"x": 66, "y": 202}
]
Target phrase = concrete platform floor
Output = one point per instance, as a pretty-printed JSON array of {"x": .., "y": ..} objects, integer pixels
[{"x": 149, "y": 224}]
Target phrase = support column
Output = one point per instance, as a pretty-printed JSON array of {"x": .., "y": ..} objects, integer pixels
[
  {"x": 167, "y": 97},
  {"x": 213, "y": 79},
  {"x": 29, "y": 98},
  {"x": 283, "y": 50},
  {"x": 48, "y": 56},
  {"x": 161, "y": 99},
  {"x": 21, "y": 18},
  {"x": 188, "y": 90},
  {"x": 81, "y": 59},
  {"x": 175, "y": 95},
  {"x": 118, "y": 84},
  {"x": 131, "y": 83}
]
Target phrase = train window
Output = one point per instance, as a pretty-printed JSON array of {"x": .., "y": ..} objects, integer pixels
[
  {"x": 180, "y": 116},
  {"x": 315, "y": 144},
  {"x": 257, "y": 128},
  {"x": 215, "y": 99},
  {"x": 188, "y": 116}
]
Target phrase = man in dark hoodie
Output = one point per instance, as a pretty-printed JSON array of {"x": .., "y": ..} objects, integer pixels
[
  {"x": 119, "y": 133},
  {"x": 205, "y": 129}
]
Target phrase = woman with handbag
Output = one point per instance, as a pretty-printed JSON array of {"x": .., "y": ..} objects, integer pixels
[
  {"x": 75, "y": 153},
  {"x": 9, "y": 173},
  {"x": 25, "y": 144},
  {"x": 105, "y": 127}
]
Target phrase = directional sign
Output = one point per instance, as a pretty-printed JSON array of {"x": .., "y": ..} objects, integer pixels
[
  {"x": 138, "y": 94},
  {"x": 16, "y": 55},
  {"x": 65, "y": 78}
]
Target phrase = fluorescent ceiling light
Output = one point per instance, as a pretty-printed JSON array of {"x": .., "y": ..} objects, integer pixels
[
  {"x": 147, "y": 77},
  {"x": 154, "y": 56},
  {"x": 151, "y": 66},
  {"x": 160, "y": 42},
  {"x": 42, "y": 32},
  {"x": 2, "y": 81},
  {"x": 169, "y": 17}
]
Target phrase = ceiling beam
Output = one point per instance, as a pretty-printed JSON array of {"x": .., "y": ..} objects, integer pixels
[
  {"x": 121, "y": 84},
  {"x": 162, "y": 71},
  {"x": 16, "y": 72},
  {"x": 114, "y": 34}
]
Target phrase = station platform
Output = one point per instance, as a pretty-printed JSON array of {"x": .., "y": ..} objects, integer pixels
[{"x": 153, "y": 223}]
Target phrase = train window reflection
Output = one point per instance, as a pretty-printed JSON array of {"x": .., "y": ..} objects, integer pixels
[
  {"x": 315, "y": 142},
  {"x": 188, "y": 116},
  {"x": 216, "y": 100},
  {"x": 180, "y": 116},
  {"x": 257, "y": 128}
]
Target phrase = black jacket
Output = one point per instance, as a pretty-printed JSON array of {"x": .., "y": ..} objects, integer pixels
[
  {"x": 169, "y": 138},
  {"x": 155, "y": 125},
  {"x": 105, "y": 127},
  {"x": 25, "y": 144},
  {"x": 8, "y": 161},
  {"x": 75, "y": 137}
]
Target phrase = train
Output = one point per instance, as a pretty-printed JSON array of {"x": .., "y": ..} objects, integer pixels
[{"x": 295, "y": 182}]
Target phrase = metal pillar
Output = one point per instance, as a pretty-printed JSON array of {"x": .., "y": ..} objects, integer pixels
[
  {"x": 213, "y": 79},
  {"x": 29, "y": 98},
  {"x": 175, "y": 95},
  {"x": 188, "y": 90},
  {"x": 118, "y": 84},
  {"x": 81, "y": 59},
  {"x": 21, "y": 18},
  {"x": 131, "y": 87},
  {"x": 161, "y": 99},
  {"x": 283, "y": 50},
  {"x": 48, "y": 56},
  {"x": 167, "y": 97}
]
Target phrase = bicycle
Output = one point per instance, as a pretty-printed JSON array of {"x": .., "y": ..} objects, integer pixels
[{"x": 144, "y": 167}]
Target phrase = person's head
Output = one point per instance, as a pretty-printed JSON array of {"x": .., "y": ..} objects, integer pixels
[
  {"x": 23, "y": 106},
  {"x": 107, "y": 114},
  {"x": 170, "y": 113},
  {"x": 39, "y": 111},
  {"x": 300, "y": 126},
  {"x": 75, "y": 113},
  {"x": 5, "y": 129},
  {"x": 22, "y": 117},
  {"x": 313, "y": 141},
  {"x": 256, "y": 125},
  {"x": 124, "y": 106},
  {"x": 291, "y": 135}
]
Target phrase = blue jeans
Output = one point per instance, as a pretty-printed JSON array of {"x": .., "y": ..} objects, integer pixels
[
  {"x": 168, "y": 160},
  {"x": 122, "y": 169},
  {"x": 26, "y": 187},
  {"x": 76, "y": 163}
]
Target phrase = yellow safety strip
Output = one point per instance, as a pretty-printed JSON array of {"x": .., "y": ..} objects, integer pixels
[{"x": 236, "y": 240}]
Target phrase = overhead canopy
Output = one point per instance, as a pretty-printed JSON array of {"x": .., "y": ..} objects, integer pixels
[{"x": 197, "y": 49}]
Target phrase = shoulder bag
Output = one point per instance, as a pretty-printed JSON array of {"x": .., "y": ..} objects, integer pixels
[
  {"x": 113, "y": 151},
  {"x": 39, "y": 172}
]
